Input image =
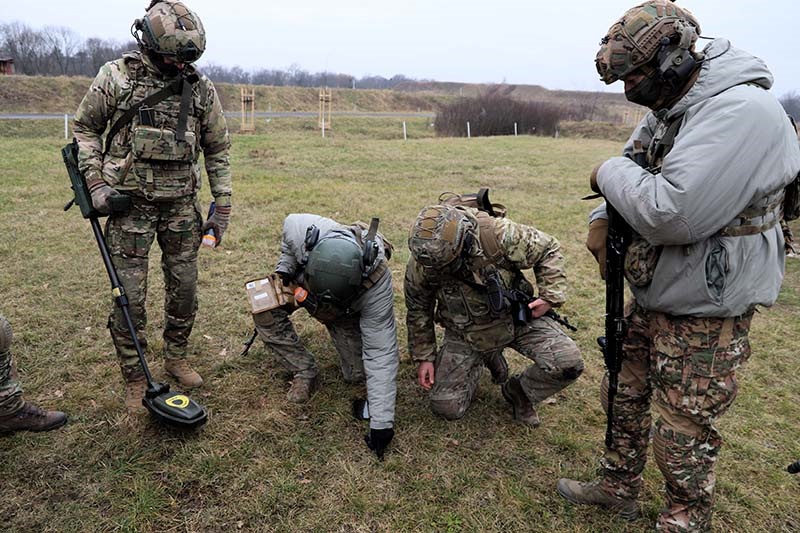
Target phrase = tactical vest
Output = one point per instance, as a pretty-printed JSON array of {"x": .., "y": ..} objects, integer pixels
[{"x": 163, "y": 135}]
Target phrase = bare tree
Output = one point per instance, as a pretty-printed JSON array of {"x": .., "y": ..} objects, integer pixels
[
  {"x": 64, "y": 44},
  {"x": 791, "y": 103}
]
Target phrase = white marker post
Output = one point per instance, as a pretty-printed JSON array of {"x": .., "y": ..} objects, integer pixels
[
  {"x": 469, "y": 135},
  {"x": 405, "y": 133},
  {"x": 323, "y": 128},
  {"x": 66, "y": 126},
  {"x": 515, "y": 129}
]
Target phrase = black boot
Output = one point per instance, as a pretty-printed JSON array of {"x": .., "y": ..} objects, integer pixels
[{"x": 32, "y": 418}]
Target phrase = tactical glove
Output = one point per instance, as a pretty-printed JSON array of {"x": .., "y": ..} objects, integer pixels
[
  {"x": 596, "y": 242},
  {"x": 101, "y": 198},
  {"x": 378, "y": 440},
  {"x": 593, "y": 179},
  {"x": 218, "y": 221},
  {"x": 286, "y": 277}
]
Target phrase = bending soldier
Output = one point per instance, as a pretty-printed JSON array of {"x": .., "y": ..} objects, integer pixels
[
  {"x": 15, "y": 413},
  {"x": 161, "y": 114},
  {"x": 701, "y": 188},
  {"x": 348, "y": 288},
  {"x": 465, "y": 272}
]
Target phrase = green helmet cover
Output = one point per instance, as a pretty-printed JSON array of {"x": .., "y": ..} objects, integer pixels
[{"x": 334, "y": 269}]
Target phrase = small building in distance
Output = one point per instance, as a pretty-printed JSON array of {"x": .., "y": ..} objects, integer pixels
[{"x": 6, "y": 65}]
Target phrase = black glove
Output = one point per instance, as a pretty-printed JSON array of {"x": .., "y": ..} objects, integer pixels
[
  {"x": 378, "y": 440},
  {"x": 286, "y": 278}
]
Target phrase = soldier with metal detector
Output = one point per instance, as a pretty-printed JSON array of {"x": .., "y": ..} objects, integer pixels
[
  {"x": 701, "y": 187},
  {"x": 340, "y": 275},
  {"x": 465, "y": 272},
  {"x": 158, "y": 114}
]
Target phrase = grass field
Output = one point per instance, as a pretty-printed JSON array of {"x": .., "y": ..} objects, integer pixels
[{"x": 261, "y": 464}]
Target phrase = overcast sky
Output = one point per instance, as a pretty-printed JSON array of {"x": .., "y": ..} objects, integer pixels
[{"x": 524, "y": 41}]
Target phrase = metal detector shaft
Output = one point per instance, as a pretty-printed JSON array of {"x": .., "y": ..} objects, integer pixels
[{"x": 120, "y": 298}]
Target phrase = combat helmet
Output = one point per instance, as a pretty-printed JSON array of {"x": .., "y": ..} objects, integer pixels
[
  {"x": 334, "y": 268},
  {"x": 171, "y": 29},
  {"x": 643, "y": 31},
  {"x": 439, "y": 235}
]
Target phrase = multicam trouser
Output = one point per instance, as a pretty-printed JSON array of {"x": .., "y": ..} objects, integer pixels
[
  {"x": 458, "y": 366},
  {"x": 10, "y": 390},
  {"x": 177, "y": 228},
  {"x": 788, "y": 239},
  {"x": 278, "y": 333},
  {"x": 686, "y": 366}
]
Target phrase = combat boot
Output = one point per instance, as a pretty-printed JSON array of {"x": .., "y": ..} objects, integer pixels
[
  {"x": 134, "y": 394},
  {"x": 593, "y": 494},
  {"x": 302, "y": 389},
  {"x": 31, "y": 418},
  {"x": 181, "y": 371},
  {"x": 498, "y": 367},
  {"x": 522, "y": 407}
]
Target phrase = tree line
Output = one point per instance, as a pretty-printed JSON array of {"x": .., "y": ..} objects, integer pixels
[{"x": 59, "y": 51}]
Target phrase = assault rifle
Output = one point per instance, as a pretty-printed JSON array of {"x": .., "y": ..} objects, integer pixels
[
  {"x": 501, "y": 300},
  {"x": 619, "y": 237}
]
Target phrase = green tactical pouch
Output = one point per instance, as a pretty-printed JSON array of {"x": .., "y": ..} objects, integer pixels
[
  {"x": 157, "y": 144},
  {"x": 640, "y": 262}
]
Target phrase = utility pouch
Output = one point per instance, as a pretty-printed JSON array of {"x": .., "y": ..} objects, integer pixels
[
  {"x": 641, "y": 260},
  {"x": 161, "y": 144},
  {"x": 268, "y": 293}
]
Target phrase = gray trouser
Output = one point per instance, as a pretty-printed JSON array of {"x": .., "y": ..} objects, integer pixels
[
  {"x": 278, "y": 333},
  {"x": 557, "y": 363}
]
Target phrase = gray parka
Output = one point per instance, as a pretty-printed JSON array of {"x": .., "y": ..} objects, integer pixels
[
  {"x": 735, "y": 149},
  {"x": 374, "y": 309}
]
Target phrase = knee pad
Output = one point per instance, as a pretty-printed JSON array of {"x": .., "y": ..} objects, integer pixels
[
  {"x": 572, "y": 372},
  {"x": 6, "y": 335}
]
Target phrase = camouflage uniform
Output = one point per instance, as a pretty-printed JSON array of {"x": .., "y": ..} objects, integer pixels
[
  {"x": 459, "y": 302},
  {"x": 163, "y": 179},
  {"x": 685, "y": 366},
  {"x": 10, "y": 389}
]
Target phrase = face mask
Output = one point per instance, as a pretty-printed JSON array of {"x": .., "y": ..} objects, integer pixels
[
  {"x": 170, "y": 70},
  {"x": 649, "y": 92}
]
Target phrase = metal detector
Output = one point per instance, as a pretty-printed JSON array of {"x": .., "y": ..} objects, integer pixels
[{"x": 170, "y": 408}]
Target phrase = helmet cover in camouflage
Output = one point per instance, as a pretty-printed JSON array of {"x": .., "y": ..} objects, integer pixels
[
  {"x": 437, "y": 236},
  {"x": 334, "y": 268},
  {"x": 171, "y": 29},
  {"x": 636, "y": 38}
]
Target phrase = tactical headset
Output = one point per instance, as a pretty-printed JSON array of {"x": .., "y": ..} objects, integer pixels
[{"x": 674, "y": 60}]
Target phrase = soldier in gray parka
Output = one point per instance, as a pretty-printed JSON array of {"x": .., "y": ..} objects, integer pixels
[{"x": 342, "y": 280}]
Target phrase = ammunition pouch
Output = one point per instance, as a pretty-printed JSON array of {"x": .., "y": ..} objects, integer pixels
[
  {"x": 641, "y": 260},
  {"x": 161, "y": 144}
]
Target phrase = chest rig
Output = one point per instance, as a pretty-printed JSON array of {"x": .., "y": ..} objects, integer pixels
[{"x": 161, "y": 123}]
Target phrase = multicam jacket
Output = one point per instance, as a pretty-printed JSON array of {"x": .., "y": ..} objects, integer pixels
[
  {"x": 458, "y": 300},
  {"x": 146, "y": 159}
]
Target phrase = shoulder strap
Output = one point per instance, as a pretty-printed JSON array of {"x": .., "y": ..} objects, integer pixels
[{"x": 492, "y": 251}]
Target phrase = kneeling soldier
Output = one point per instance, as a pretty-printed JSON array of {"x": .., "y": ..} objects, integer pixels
[
  {"x": 344, "y": 282},
  {"x": 465, "y": 272}
]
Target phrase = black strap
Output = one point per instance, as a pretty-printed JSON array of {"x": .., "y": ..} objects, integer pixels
[
  {"x": 183, "y": 114},
  {"x": 177, "y": 86}
]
